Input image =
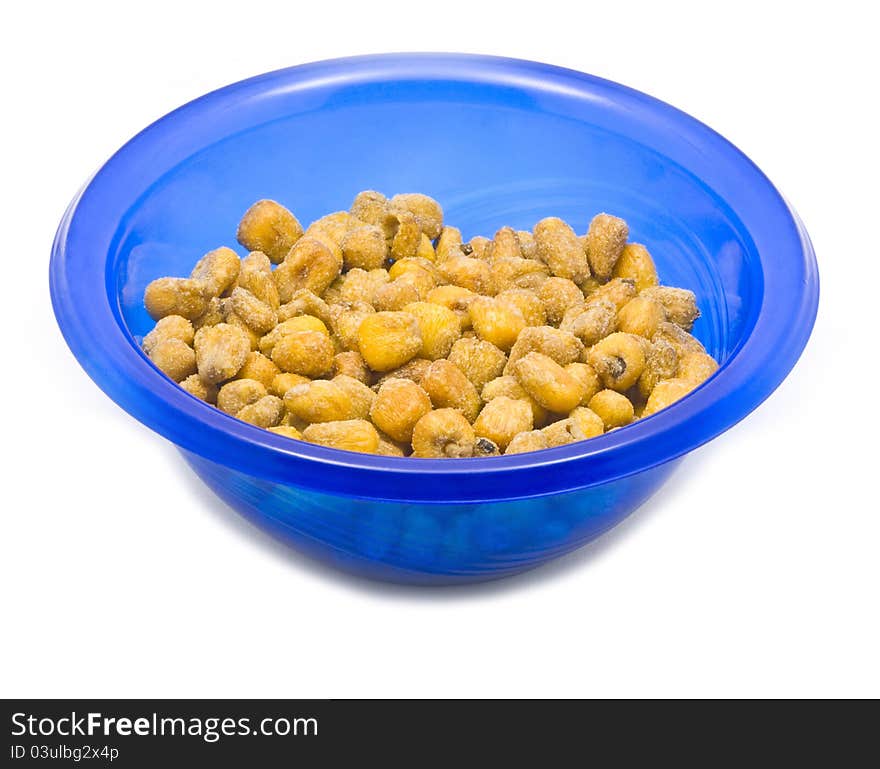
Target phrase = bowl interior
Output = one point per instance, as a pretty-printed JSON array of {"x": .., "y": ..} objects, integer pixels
[{"x": 491, "y": 153}]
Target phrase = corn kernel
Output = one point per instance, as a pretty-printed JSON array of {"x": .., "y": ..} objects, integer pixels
[
  {"x": 176, "y": 296},
  {"x": 665, "y": 393},
  {"x": 269, "y": 227},
  {"x": 502, "y": 419},
  {"x": 480, "y": 361},
  {"x": 427, "y": 212},
  {"x": 217, "y": 270},
  {"x": 606, "y": 239},
  {"x": 438, "y": 326},
  {"x": 174, "y": 358},
  {"x": 320, "y": 401},
  {"x": 169, "y": 327},
  {"x": 679, "y": 303},
  {"x": 443, "y": 433},
  {"x": 221, "y": 351},
  {"x": 496, "y": 322},
  {"x": 311, "y": 264},
  {"x": 258, "y": 367},
  {"x": 534, "y": 440},
  {"x": 559, "y": 248},
  {"x": 614, "y": 409},
  {"x": 398, "y": 406},
  {"x": 591, "y": 322},
  {"x": 467, "y": 272},
  {"x": 636, "y": 264},
  {"x": 266, "y": 412},
  {"x": 548, "y": 382},
  {"x": 641, "y": 315},
  {"x": 308, "y": 353},
  {"x": 235, "y": 395},
  {"x": 448, "y": 387},
  {"x": 509, "y": 387},
  {"x": 559, "y": 296},
  {"x": 286, "y": 381},
  {"x": 387, "y": 340},
  {"x": 561, "y": 346},
  {"x": 349, "y": 435},
  {"x": 619, "y": 359},
  {"x": 516, "y": 272},
  {"x": 350, "y": 363}
]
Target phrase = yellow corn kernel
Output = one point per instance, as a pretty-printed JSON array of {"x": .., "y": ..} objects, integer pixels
[
  {"x": 679, "y": 303},
  {"x": 480, "y": 361},
  {"x": 527, "y": 245},
  {"x": 176, "y": 296},
  {"x": 407, "y": 235},
  {"x": 559, "y": 248},
  {"x": 681, "y": 340},
  {"x": 311, "y": 265},
  {"x": 636, "y": 264},
  {"x": 256, "y": 314},
  {"x": 618, "y": 291},
  {"x": 258, "y": 367},
  {"x": 534, "y": 440},
  {"x": 605, "y": 241},
  {"x": 641, "y": 315},
  {"x": 169, "y": 327},
  {"x": 527, "y": 302},
  {"x": 443, "y": 433},
  {"x": 298, "y": 323},
  {"x": 448, "y": 244},
  {"x": 398, "y": 405},
  {"x": 394, "y": 296},
  {"x": 454, "y": 298},
  {"x": 286, "y": 381},
  {"x": 661, "y": 362},
  {"x": 548, "y": 382},
  {"x": 305, "y": 302},
  {"x": 559, "y": 296},
  {"x": 665, "y": 393},
  {"x": 505, "y": 244},
  {"x": 448, "y": 387},
  {"x": 320, "y": 401},
  {"x": 561, "y": 433},
  {"x": 478, "y": 247},
  {"x": 364, "y": 247},
  {"x": 349, "y": 435},
  {"x": 358, "y": 285},
  {"x": 346, "y": 320},
  {"x": 516, "y": 272},
  {"x": 360, "y": 397},
  {"x": 260, "y": 283},
  {"x": 587, "y": 378},
  {"x": 350, "y": 363},
  {"x": 221, "y": 351},
  {"x": 427, "y": 211},
  {"x": 587, "y": 422},
  {"x": 266, "y": 412},
  {"x": 696, "y": 367},
  {"x": 509, "y": 387},
  {"x": 269, "y": 227},
  {"x": 614, "y": 409},
  {"x": 467, "y": 272},
  {"x": 619, "y": 360},
  {"x": 217, "y": 270},
  {"x": 561, "y": 346},
  {"x": 592, "y": 322},
  {"x": 502, "y": 419},
  {"x": 426, "y": 249},
  {"x": 496, "y": 322},
  {"x": 438, "y": 326},
  {"x": 287, "y": 431},
  {"x": 387, "y": 340},
  {"x": 413, "y": 370},
  {"x": 235, "y": 395},
  {"x": 308, "y": 353},
  {"x": 194, "y": 385},
  {"x": 174, "y": 358}
]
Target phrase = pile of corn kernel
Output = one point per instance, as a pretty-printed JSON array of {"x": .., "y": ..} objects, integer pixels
[{"x": 381, "y": 331}]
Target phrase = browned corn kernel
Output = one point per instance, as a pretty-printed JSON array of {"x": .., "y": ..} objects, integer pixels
[
  {"x": 176, "y": 296},
  {"x": 559, "y": 248},
  {"x": 221, "y": 351},
  {"x": 506, "y": 244},
  {"x": 528, "y": 246},
  {"x": 618, "y": 291},
  {"x": 502, "y": 419},
  {"x": 455, "y": 298},
  {"x": 479, "y": 247},
  {"x": 426, "y": 211},
  {"x": 320, "y": 401},
  {"x": 483, "y": 447},
  {"x": 257, "y": 366},
  {"x": 360, "y": 396},
  {"x": 561, "y": 346},
  {"x": 287, "y": 431},
  {"x": 559, "y": 295},
  {"x": 394, "y": 296},
  {"x": 349, "y": 435},
  {"x": 346, "y": 319},
  {"x": 561, "y": 433},
  {"x": 696, "y": 367},
  {"x": 467, "y": 272},
  {"x": 509, "y": 387},
  {"x": 174, "y": 358},
  {"x": 269, "y": 227},
  {"x": 387, "y": 340},
  {"x": 587, "y": 378},
  {"x": 605, "y": 241},
  {"x": 370, "y": 206},
  {"x": 213, "y": 315},
  {"x": 253, "y": 337},
  {"x": 389, "y": 448},
  {"x": 548, "y": 382},
  {"x": 619, "y": 360},
  {"x": 590, "y": 286},
  {"x": 307, "y": 353},
  {"x": 235, "y": 395},
  {"x": 497, "y": 322},
  {"x": 534, "y": 440},
  {"x": 407, "y": 236},
  {"x": 443, "y": 433},
  {"x": 588, "y": 422},
  {"x": 217, "y": 270},
  {"x": 194, "y": 385},
  {"x": 417, "y": 265},
  {"x": 448, "y": 244},
  {"x": 438, "y": 326},
  {"x": 413, "y": 370},
  {"x": 266, "y": 412},
  {"x": 679, "y": 303},
  {"x": 364, "y": 247},
  {"x": 636, "y": 264},
  {"x": 641, "y": 316},
  {"x": 448, "y": 387},
  {"x": 305, "y": 302},
  {"x": 661, "y": 362},
  {"x": 351, "y": 364},
  {"x": 298, "y": 323},
  {"x": 426, "y": 249},
  {"x": 680, "y": 339},
  {"x": 665, "y": 393},
  {"x": 255, "y": 261},
  {"x": 261, "y": 284},
  {"x": 257, "y": 315},
  {"x": 311, "y": 264},
  {"x": 360, "y": 286},
  {"x": 169, "y": 327},
  {"x": 480, "y": 361},
  {"x": 592, "y": 322},
  {"x": 286, "y": 381},
  {"x": 614, "y": 409},
  {"x": 526, "y": 302},
  {"x": 513, "y": 272},
  {"x": 398, "y": 405},
  {"x": 334, "y": 226}
]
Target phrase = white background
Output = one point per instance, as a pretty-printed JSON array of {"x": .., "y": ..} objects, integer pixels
[{"x": 754, "y": 572}]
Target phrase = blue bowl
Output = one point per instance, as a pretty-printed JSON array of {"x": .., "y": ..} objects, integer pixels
[{"x": 498, "y": 142}]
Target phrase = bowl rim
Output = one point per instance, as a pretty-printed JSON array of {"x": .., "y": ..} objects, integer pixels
[{"x": 104, "y": 347}]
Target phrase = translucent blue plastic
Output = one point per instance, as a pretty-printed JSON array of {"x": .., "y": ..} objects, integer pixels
[{"x": 497, "y": 141}]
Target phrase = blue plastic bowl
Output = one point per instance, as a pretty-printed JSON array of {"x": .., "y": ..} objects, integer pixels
[{"x": 498, "y": 142}]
